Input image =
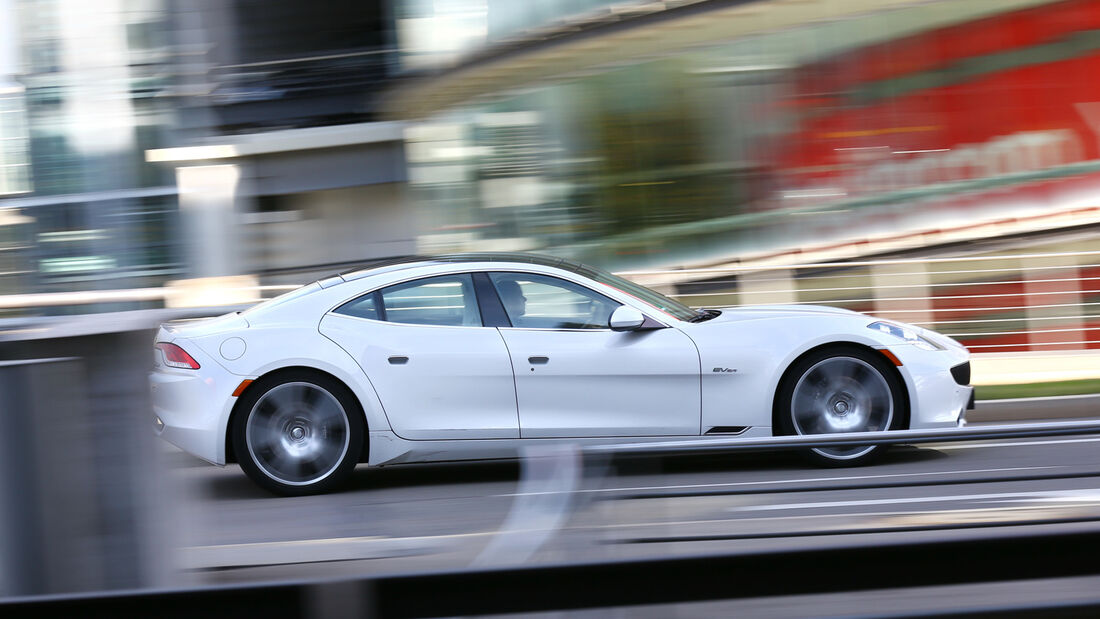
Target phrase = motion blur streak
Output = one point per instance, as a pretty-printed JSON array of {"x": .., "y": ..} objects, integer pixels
[
  {"x": 550, "y": 477},
  {"x": 933, "y": 162}
]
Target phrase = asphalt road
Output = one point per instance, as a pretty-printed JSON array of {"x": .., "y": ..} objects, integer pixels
[{"x": 425, "y": 517}]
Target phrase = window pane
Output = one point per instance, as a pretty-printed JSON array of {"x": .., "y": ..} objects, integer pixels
[
  {"x": 363, "y": 307},
  {"x": 446, "y": 300},
  {"x": 542, "y": 302}
]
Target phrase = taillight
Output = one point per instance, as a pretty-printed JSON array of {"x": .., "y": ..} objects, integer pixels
[{"x": 176, "y": 357}]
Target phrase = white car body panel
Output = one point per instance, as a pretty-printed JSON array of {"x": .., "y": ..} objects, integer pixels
[
  {"x": 456, "y": 382},
  {"x": 602, "y": 383},
  {"x": 635, "y": 385},
  {"x": 387, "y": 448}
]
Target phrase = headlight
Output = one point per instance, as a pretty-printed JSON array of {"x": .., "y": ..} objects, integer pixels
[{"x": 906, "y": 333}]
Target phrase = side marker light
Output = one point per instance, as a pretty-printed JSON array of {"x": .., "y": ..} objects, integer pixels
[
  {"x": 241, "y": 387},
  {"x": 891, "y": 356}
]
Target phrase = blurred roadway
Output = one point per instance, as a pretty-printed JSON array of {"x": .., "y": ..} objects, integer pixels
[{"x": 424, "y": 517}]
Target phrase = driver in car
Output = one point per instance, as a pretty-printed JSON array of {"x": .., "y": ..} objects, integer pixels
[{"x": 514, "y": 302}]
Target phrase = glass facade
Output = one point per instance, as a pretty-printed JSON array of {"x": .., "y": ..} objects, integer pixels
[
  {"x": 437, "y": 33},
  {"x": 14, "y": 164},
  {"x": 280, "y": 65},
  {"x": 508, "y": 17},
  {"x": 931, "y": 116},
  {"x": 433, "y": 33},
  {"x": 93, "y": 76}
]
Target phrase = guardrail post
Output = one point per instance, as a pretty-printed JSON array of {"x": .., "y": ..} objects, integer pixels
[
  {"x": 901, "y": 292},
  {"x": 1058, "y": 286},
  {"x": 767, "y": 287},
  {"x": 85, "y": 457},
  {"x": 47, "y": 515}
]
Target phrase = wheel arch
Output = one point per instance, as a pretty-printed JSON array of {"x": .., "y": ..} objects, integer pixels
[
  {"x": 906, "y": 396},
  {"x": 231, "y": 456}
]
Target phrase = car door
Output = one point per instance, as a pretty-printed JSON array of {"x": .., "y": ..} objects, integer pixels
[
  {"x": 577, "y": 378},
  {"x": 438, "y": 372}
]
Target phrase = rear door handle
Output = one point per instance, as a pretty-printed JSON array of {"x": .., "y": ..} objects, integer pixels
[
  {"x": 539, "y": 360},
  {"x": 398, "y": 360}
]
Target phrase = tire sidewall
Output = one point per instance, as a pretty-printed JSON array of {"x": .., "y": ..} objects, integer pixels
[
  {"x": 785, "y": 393},
  {"x": 352, "y": 413}
]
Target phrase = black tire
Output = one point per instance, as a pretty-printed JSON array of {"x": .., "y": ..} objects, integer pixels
[
  {"x": 841, "y": 389},
  {"x": 298, "y": 432}
]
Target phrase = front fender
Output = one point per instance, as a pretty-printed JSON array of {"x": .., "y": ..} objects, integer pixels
[{"x": 744, "y": 361}]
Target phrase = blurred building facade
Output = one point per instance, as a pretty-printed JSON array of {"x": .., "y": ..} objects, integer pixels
[
  {"x": 149, "y": 141},
  {"x": 80, "y": 207},
  {"x": 14, "y": 181},
  {"x": 14, "y": 163},
  {"x": 703, "y": 132},
  {"x": 280, "y": 162},
  {"x": 144, "y": 142}
]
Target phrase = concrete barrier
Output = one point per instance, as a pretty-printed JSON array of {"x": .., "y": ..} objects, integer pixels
[
  {"x": 48, "y": 509},
  {"x": 86, "y": 501}
]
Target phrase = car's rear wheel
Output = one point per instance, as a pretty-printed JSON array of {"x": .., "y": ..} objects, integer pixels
[
  {"x": 841, "y": 389},
  {"x": 298, "y": 433}
]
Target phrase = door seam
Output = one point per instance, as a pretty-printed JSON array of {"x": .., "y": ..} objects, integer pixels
[{"x": 515, "y": 386}]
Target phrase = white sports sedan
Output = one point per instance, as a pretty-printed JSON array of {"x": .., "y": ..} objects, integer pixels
[{"x": 471, "y": 356}]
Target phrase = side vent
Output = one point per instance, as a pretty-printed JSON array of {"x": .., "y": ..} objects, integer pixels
[{"x": 726, "y": 430}]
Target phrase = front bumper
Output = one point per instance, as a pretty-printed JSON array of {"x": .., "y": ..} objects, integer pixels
[{"x": 937, "y": 400}]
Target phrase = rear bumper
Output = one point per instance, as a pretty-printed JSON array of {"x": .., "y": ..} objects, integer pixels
[{"x": 191, "y": 407}]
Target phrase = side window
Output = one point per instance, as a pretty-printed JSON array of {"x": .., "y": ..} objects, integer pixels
[
  {"x": 446, "y": 300},
  {"x": 363, "y": 307},
  {"x": 542, "y": 302}
]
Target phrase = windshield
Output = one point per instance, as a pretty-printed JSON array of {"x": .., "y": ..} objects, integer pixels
[{"x": 669, "y": 306}]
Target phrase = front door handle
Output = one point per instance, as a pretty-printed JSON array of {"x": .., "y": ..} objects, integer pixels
[
  {"x": 398, "y": 360},
  {"x": 539, "y": 360}
]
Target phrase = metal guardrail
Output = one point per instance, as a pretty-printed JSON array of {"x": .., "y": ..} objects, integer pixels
[
  {"x": 133, "y": 295},
  {"x": 609, "y": 584},
  {"x": 992, "y": 303},
  {"x": 999, "y": 303},
  {"x": 853, "y": 439}
]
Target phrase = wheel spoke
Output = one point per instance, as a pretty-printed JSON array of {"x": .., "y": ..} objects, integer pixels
[
  {"x": 309, "y": 397},
  {"x": 282, "y": 398},
  {"x": 267, "y": 407},
  {"x": 327, "y": 411},
  {"x": 307, "y": 467},
  {"x": 835, "y": 373}
]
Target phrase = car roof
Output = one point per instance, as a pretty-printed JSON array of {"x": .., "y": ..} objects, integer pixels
[{"x": 407, "y": 262}]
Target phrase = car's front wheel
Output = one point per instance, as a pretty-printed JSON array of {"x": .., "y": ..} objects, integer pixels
[
  {"x": 297, "y": 433},
  {"x": 841, "y": 389}
]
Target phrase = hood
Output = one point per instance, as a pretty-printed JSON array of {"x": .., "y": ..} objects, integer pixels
[{"x": 762, "y": 312}]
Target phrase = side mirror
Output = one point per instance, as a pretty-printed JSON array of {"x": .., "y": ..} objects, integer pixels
[{"x": 625, "y": 318}]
